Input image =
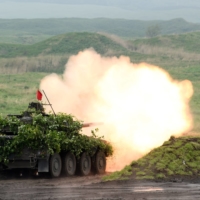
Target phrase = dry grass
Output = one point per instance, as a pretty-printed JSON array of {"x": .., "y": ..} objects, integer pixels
[
  {"x": 31, "y": 64},
  {"x": 177, "y": 54},
  {"x": 116, "y": 39}
]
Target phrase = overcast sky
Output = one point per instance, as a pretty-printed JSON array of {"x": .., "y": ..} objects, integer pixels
[{"x": 127, "y": 9}]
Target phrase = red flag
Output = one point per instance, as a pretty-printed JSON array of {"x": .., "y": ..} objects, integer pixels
[{"x": 39, "y": 95}]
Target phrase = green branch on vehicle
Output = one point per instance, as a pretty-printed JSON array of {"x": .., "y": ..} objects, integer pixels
[{"x": 51, "y": 133}]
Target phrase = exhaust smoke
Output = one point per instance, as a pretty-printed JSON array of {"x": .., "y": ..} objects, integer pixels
[{"x": 140, "y": 105}]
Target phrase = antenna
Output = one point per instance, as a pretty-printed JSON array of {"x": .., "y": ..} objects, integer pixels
[{"x": 49, "y": 102}]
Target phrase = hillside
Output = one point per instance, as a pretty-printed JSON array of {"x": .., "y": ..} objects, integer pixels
[
  {"x": 29, "y": 31},
  {"x": 70, "y": 43},
  {"x": 178, "y": 54},
  {"x": 188, "y": 42},
  {"x": 51, "y": 55},
  {"x": 169, "y": 52},
  {"x": 176, "y": 160}
]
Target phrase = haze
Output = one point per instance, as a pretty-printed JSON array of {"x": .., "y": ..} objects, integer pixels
[{"x": 127, "y": 9}]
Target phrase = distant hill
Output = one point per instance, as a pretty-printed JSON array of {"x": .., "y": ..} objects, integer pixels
[
  {"x": 70, "y": 43},
  {"x": 124, "y": 9},
  {"x": 189, "y": 42},
  {"x": 28, "y": 31},
  {"x": 51, "y": 55}
]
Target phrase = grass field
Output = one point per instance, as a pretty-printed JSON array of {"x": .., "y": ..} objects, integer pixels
[
  {"x": 23, "y": 66},
  {"x": 17, "y": 91},
  {"x": 21, "y": 73}
]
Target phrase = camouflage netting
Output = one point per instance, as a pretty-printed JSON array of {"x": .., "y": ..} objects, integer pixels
[{"x": 51, "y": 133}]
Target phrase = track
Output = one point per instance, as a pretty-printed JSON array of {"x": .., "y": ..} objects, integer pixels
[{"x": 91, "y": 187}]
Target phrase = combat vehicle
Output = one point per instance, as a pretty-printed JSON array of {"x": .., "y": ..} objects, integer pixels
[{"x": 51, "y": 143}]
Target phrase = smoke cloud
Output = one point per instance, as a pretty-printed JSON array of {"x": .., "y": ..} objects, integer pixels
[{"x": 140, "y": 105}]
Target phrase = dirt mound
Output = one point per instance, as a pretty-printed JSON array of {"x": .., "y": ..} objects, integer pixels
[{"x": 176, "y": 160}]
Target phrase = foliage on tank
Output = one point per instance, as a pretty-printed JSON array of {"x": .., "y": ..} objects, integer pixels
[{"x": 52, "y": 133}]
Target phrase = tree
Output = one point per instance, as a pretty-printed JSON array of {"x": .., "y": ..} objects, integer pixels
[{"x": 153, "y": 31}]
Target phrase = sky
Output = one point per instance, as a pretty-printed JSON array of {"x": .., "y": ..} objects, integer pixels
[{"x": 126, "y": 9}]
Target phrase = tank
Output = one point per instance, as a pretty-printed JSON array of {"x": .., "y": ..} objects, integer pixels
[{"x": 51, "y": 143}]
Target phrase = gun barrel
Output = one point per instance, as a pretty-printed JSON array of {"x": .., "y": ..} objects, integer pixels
[{"x": 91, "y": 124}]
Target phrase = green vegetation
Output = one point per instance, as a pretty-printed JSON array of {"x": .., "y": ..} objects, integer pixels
[
  {"x": 17, "y": 91},
  {"x": 187, "y": 42},
  {"x": 178, "y": 157},
  {"x": 178, "y": 54},
  {"x": 119, "y": 175},
  {"x": 153, "y": 31},
  {"x": 22, "y": 38},
  {"x": 48, "y": 133},
  {"x": 52, "y": 54},
  {"x": 29, "y": 31},
  {"x": 23, "y": 66},
  {"x": 70, "y": 43}
]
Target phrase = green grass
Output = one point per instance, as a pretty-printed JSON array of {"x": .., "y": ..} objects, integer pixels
[
  {"x": 189, "y": 42},
  {"x": 179, "y": 55},
  {"x": 17, "y": 91},
  {"x": 176, "y": 157},
  {"x": 119, "y": 175},
  {"x": 23, "y": 39},
  {"x": 29, "y": 31},
  {"x": 70, "y": 43},
  {"x": 52, "y": 54},
  {"x": 167, "y": 52}
]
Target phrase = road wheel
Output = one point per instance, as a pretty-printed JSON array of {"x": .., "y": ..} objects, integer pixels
[
  {"x": 69, "y": 164},
  {"x": 55, "y": 165},
  {"x": 100, "y": 163},
  {"x": 85, "y": 164}
]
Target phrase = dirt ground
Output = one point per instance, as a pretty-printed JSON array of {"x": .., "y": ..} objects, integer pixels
[{"x": 91, "y": 187}]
